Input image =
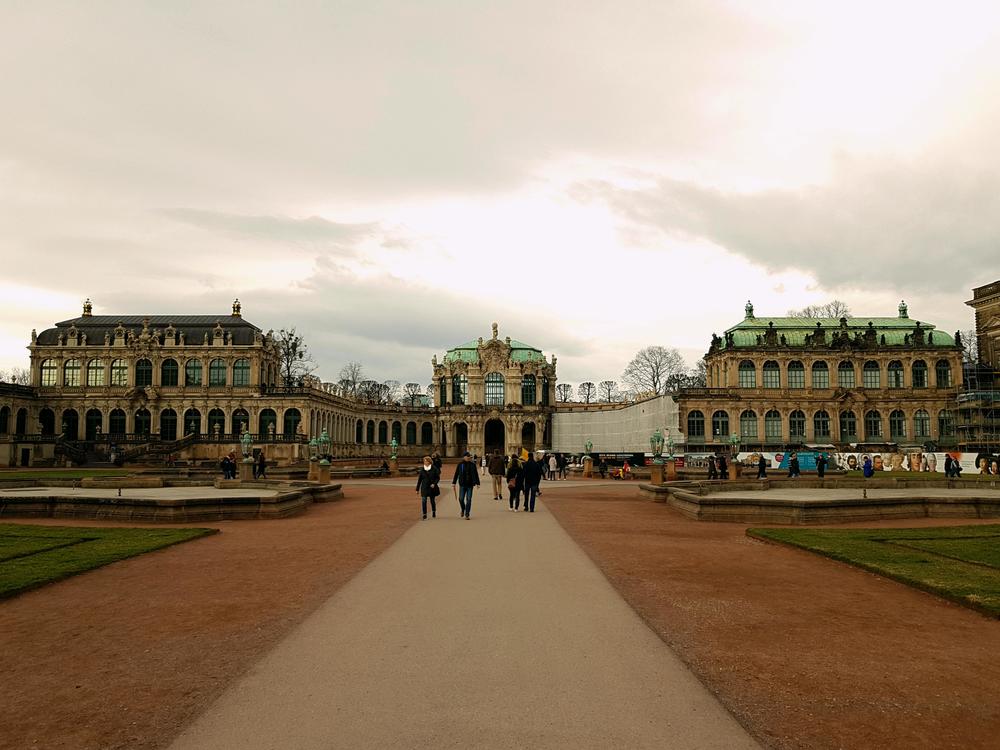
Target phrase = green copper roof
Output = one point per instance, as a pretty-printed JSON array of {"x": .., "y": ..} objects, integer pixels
[
  {"x": 520, "y": 352},
  {"x": 895, "y": 330}
]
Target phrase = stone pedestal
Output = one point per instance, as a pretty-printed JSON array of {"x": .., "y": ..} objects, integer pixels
[
  {"x": 588, "y": 467},
  {"x": 656, "y": 473},
  {"x": 246, "y": 471},
  {"x": 323, "y": 474},
  {"x": 313, "y": 470},
  {"x": 735, "y": 470},
  {"x": 671, "y": 470},
  {"x": 393, "y": 467}
]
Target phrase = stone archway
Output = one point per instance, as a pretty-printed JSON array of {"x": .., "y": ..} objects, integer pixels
[
  {"x": 528, "y": 437},
  {"x": 461, "y": 438},
  {"x": 494, "y": 437}
]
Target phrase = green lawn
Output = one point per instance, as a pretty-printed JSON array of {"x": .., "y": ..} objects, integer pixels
[
  {"x": 31, "y": 556},
  {"x": 961, "y": 563},
  {"x": 62, "y": 473}
]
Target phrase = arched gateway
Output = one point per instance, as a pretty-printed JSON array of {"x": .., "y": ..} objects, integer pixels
[{"x": 494, "y": 435}]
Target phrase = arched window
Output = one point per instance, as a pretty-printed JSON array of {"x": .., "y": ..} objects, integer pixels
[
  {"x": 820, "y": 375},
  {"x": 359, "y": 432},
  {"x": 192, "y": 422},
  {"x": 748, "y": 425},
  {"x": 946, "y": 423},
  {"x": 848, "y": 427},
  {"x": 720, "y": 426},
  {"x": 873, "y": 425},
  {"x": 747, "y": 374},
  {"x": 5, "y": 419},
  {"x": 919, "y": 374},
  {"x": 93, "y": 424},
  {"x": 845, "y": 375},
  {"x": 383, "y": 432},
  {"x": 216, "y": 373},
  {"x": 143, "y": 422},
  {"x": 772, "y": 427},
  {"x": 119, "y": 372},
  {"x": 46, "y": 421},
  {"x": 796, "y": 375},
  {"x": 411, "y": 433},
  {"x": 871, "y": 376},
  {"x": 70, "y": 426},
  {"x": 168, "y": 373},
  {"x": 397, "y": 432},
  {"x": 192, "y": 372},
  {"x": 71, "y": 373},
  {"x": 494, "y": 389},
  {"x": 528, "y": 390},
  {"x": 267, "y": 422},
  {"x": 95, "y": 373},
  {"x": 143, "y": 373},
  {"x": 942, "y": 373},
  {"x": 695, "y": 425},
  {"x": 117, "y": 422},
  {"x": 240, "y": 420},
  {"x": 921, "y": 424},
  {"x": 772, "y": 374},
  {"x": 443, "y": 397},
  {"x": 21, "y": 422},
  {"x": 241, "y": 372},
  {"x": 291, "y": 422},
  {"x": 797, "y": 426},
  {"x": 426, "y": 433},
  {"x": 545, "y": 391},
  {"x": 821, "y": 425},
  {"x": 459, "y": 389},
  {"x": 897, "y": 424},
  {"x": 49, "y": 372},
  {"x": 168, "y": 424},
  {"x": 370, "y": 431},
  {"x": 895, "y": 374},
  {"x": 216, "y": 422}
]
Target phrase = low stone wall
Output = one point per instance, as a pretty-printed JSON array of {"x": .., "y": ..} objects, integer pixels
[{"x": 123, "y": 483}]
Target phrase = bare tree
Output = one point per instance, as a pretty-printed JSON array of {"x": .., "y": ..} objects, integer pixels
[
  {"x": 970, "y": 346},
  {"x": 587, "y": 392},
  {"x": 431, "y": 395},
  {"x": 564, "y": 392},
  {"x": 699, "y": 375},
  {"x": 369, "y": 391},
  {"x": 16, "y": 376},
  {"x": 391, "y": 392},
  {"x": 832, "y": 309},
  {"x": 350, "y": 376},
  {"x": 651, "y": 369},
  {"x": 607, "y": 390},
  {"x": 412, "y": 393},
  {"x": 294, "y": 359}
]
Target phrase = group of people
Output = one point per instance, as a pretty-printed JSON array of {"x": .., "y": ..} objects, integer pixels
[
  {"x": 717, "y": 467},
  {"x": 228, "y": 466}
]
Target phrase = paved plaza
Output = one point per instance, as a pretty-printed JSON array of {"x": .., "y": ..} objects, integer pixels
[
  {"x": 929, "y": 492},
  {"x": 494, "y": 632}
]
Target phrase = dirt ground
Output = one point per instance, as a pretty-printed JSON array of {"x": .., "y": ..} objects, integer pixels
[
  {"x": 806, "y": 652},
  {"x": 126, "y": 655}
]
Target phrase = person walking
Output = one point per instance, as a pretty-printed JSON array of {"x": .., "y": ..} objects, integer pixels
[
  {"x": 793, "y": 466},
  {"x": 867, "y": 469},
  {"x": 467, "y": 479},
  {"x": 723, "y": 468},
  {"x": 563, "y": 464},
  {"x": 761, "y": 467},
  {"x": 260, "y": 466},
  {"x": 436, "y": 460},
  {"x": 497, "y": 468},
  {"x": 427, "y": 485},
  {"x": 515, "y": 482},
  {"x": 713, "y": 468},
  {"x": 224, "y": 465},
  {"x": 821, "y": 465},
  {"x": 947, "y": 466},
  {"x": 532, "y": 478},
  {"x": 553, "y": 468}
]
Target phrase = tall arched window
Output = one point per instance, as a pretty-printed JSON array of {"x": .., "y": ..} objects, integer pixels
[
  {"x": 70, "y": 426},
  {"x": 772, "y": 427},
  {"x": 921, "y": 424},
  {"x": 241, "y": 372},
  {"x": 797, "y": 425},
  {"x": 459, "y": 389},
  {"x": 117, "y": 422},
  {"x": 5, "y": 419},
  {"x": 919, "y": 374},
  {"x": 46, "y": 420},
  {"x": 216, "y": 422},
  {"x": 494, "y": 389},
  {"x": 168, "y": 373},
  {"x": 119, "y": 372},
  {"x": 49, "y": 372},
  {"x": 397, "y": 432},
  {"x": 93, "y": 421},
  {"x": 359, "y": 432},
  {"x": 873, "y": 425},
  {"x": 545, "y": 391},
  {"x": 772, "y": 374},
  {"x": 168, "y": 424},
  {"x": 895, "y": 373},
  {"x": 383, "y": 432},
  {"x": 192, "y": 422},
  {"x": 95, "y": 373},
  {"x": 216, "y": 373},
  {"x": 820, "y": 375},
  {"x": 848, "y": 427},
  {"x": 291, "y": 422},
  {"x": 143, "y": 422},
  {"x": 747, "y": 374},
  {"x": 192, "y": 372},
  {"x": 871, "y": 376},
  {"x": 897, "y": 424},
  {"x": 748, "y": 425},
  {"x": 720, "y": 426},
  {"x": 796, "y": 375},
  {"x": 240, "y": 419},
  {"x": 528, "y": 390},
  {"x": 942, "y": 373},
  {"x": 71, "y": 373},
  {"x": 267, "y": 421},
  {"x": 946, "y": 424},
  {"x": 845, "y": 375},
  {"x": 443, "y": 397},
  {"x": 370, "y": 431},
  {"x": 821, "y": 425},
  {"x": 143, "y": 373},
  {"x": 411, "y": 433},
  {"x": 695, "y": 425},
  {"x": 426, "y": 433}
]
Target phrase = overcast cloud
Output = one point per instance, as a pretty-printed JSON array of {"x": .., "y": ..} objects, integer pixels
[{"x": 391, "y": 177}]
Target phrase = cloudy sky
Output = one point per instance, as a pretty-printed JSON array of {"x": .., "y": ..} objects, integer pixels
[{"x": 392, "y": 177}]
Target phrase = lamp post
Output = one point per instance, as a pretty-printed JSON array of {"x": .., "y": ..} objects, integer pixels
[
  {"x": 670, "y": 445},
  {"x": 324, "y": 448},
  {"x": 734, "y": 441},
  {"x": 656, "y": 446}
]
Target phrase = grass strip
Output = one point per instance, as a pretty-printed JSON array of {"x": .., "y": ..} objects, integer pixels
[
  {"x": 959, "y": 563},
  {"x": 62, "y": 474},
  {"x": 61, "y": 551}
]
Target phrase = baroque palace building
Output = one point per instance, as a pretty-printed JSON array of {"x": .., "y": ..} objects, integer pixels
[{"x": 778, "y": 383}]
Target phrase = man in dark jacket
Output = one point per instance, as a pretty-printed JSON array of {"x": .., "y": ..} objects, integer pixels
[
  {"x": 821, "y": 465},
  {"x": 497, "y": 468},
  {"x": 466, "y": 477},
  {"x": 532, "y": 478}
]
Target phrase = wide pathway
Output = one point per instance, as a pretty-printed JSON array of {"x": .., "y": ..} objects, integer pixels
[{"x": 497, "y": 632}]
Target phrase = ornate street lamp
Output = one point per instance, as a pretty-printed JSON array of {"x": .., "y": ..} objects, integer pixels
[
  {"x": 394, "y": 449},
  {"x": 588, "y": 447},
  {"x": 734, "y": 441},
  {"x": 656, "y": 446},
  {"x": 324, "y": 448},
  {"x": 670, "y": 445},
  {"x": 313, "y": 449}
]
